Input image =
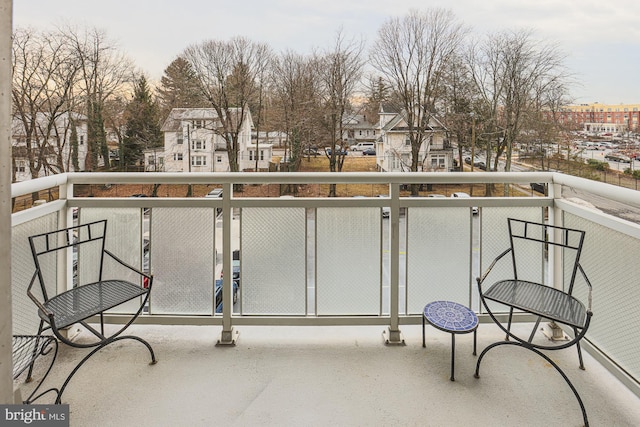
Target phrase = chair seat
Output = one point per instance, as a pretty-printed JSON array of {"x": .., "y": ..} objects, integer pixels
[
  {"x": 88, "y": 300},
  {"x": 540, "y": 300}
]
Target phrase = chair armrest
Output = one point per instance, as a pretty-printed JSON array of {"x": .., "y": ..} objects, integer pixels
[
  {"x": 124, "y": 264},
  {"x": 41, "y": 307},
  {"x": 488, "y": 270},
  {"x": 586, "y": 279}
]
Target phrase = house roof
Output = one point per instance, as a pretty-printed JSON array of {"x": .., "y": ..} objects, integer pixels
[
  {"x": 387, "y": 108},
  {"x": 357, "y": 121},
  {"x": 177, "y": 115},
  {"x": 399, "y": 124}
]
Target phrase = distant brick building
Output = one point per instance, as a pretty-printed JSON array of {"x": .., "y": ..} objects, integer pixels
[{"x": 603, "y": 118}]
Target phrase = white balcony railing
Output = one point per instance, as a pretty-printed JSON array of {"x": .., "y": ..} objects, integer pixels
[{"x": 335, "y": 261}]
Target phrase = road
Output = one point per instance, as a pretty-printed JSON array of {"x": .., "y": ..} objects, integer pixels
[{"x": 620, "y": 210}]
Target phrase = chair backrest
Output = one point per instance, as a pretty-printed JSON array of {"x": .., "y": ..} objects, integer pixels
[
  {"x": 45, "y": 246},
  {"x": 569, "y": 240}
]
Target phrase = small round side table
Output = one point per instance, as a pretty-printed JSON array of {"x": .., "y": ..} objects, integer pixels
[{"x": 452, "y": 317}]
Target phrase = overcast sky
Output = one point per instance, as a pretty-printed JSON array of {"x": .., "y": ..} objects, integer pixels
[{"x": 601, "y": 39}]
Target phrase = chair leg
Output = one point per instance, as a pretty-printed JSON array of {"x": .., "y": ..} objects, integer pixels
[
  {"x": 475, "y": 340},
  {"x": 535, "y": 328},
  {"x": 509, "y": 323},
  {"x": 40, "y": 328},
  {"x": 45, "y": 351},
  {"x": 575, "y": 332},
  {"x": 545, "y": 357},
  {"x": 95, "y": 350},
  {"x": 453, "y": 355}
]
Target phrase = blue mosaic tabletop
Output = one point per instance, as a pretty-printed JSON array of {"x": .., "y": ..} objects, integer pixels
[{"x": 450, "y": 316}]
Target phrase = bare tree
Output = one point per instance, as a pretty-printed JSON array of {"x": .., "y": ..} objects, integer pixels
[
  {"x": 458, "y": 104},
  {"x": 411, "y": 53},
  {"x": 105, "y": 72},
  {"x": 44, "y": 73},
  {"x": 296, "y": 90},
  {"x": 228, "y": 76},
  {"x": 513, "y": 74},
  {"x": 340, "y": 70}
]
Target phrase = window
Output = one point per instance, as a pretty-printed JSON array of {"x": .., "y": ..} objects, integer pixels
[
  {"x": 198, "y": 144},
  {"x": 198, "y": 124},
  {"x": 218, "y": 159},
  {"x": 179, "y": 138},
  {"x": 438, "y": 162},
  {"x": 395, "y": 163},
  {"x": 250, "y": 155},
  {"x": 81, "y": 139},
  {"x": 161, "y": 161},
  {"x": 177, "y": 156},
  {"x": 261, "y": 154},
  {"x": 407, "y": 141},
  {"x": 198, "y": 161},
  {"x": 20, "y": 167}
]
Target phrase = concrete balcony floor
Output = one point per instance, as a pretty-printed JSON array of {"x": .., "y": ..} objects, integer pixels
[{"x": 332, "y": 376}]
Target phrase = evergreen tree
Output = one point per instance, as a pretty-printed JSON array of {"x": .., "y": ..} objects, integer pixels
[
  {"x": 179, "y": 88},
  {"x": 142, "y": 125}
]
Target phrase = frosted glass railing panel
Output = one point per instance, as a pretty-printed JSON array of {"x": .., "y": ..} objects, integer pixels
[
  {"x": 182, "y": 260},
  {"x": 439, "y": 256},
  {"x": 348, "y": 242},
  {"x": 273, "y": 261},
  {"x": 610, "y": 260},
  {"x": 123, "y": 239},
  {"x": 495, "y": 239},
  {"x": 25, "y": 318}
]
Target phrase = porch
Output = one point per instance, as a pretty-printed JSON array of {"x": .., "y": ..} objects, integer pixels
[{"x": 325, "y": 284}]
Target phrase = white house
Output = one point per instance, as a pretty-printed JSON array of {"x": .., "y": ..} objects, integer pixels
[
  {"x": 393, "y": 147},
  {"x": 192, "y": 142},
  {"x": 358, "y": 129},
  {"x": 49, "y": 146}
]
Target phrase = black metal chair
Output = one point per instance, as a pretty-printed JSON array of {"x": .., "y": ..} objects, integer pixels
[
  {"x": 543, "y": 301},
  {"x": 85, "y": 303}
]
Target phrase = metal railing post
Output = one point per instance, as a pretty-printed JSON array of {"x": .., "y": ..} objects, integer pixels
[
  {"x": 393, "y": 336},
  {"x": 228, "y": 336}
]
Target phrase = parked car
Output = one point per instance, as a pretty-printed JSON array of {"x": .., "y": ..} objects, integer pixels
[
  {"x": 539, "y": 187},
  {"x": 369, "y": 152},
  {"x": 386, "y": 210},
  {"x": 462, "y": 195},
  {"x": 310, "y": 152},
  {"x": 339, "y": 151},
  {"x": 218, "y": 294},
  {"x": 236, "y": 264},
  {"x": 617, "y": 157},
  {"x": 361, "y": 146},
  {"x": 216, "y": 192}
]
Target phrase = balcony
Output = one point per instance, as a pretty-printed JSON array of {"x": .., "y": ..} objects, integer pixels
[{"x": 325, "y": 283}]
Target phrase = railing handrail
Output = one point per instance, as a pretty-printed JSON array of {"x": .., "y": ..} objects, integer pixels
[{"x": 308, "y": 177}]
